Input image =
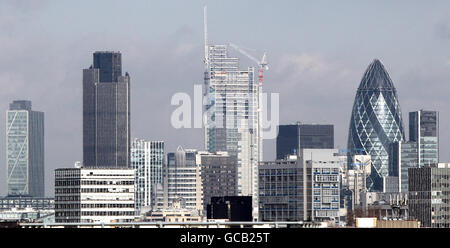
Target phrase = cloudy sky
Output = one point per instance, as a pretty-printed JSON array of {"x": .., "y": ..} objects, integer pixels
[{"x": 317, "y": 51}]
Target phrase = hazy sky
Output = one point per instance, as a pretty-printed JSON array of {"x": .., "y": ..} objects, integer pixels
[{"x": 317, "y": 51}]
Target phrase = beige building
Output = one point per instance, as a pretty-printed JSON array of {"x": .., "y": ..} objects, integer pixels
[
  {"x": 398, "y": 224},
  {"x": 173, "y": 215},
  {"x": 176, "y": 213}
]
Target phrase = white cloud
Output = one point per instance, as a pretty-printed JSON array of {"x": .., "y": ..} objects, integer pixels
[{"x": 303, "y": 63}]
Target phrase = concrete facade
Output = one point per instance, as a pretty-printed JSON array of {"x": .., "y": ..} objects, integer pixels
[
  {"x": 429, "y": 195},
  {"x": 281, "y": 191},
  {"x": 94, "y": 195}
]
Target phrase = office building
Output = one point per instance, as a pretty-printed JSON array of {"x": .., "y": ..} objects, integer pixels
[
  {"x": 218, "y": 173},
  {"x": 172, "y": 215},
  {"x": 424, "y": 129},
  {"x": 182, "y": 180},
  {"x": 429, "y": 195},
  {"x": 27, "y": 215},
  {"x": 376, "y": 121},
  {"x": 281, "y": 190},
  {"x": 302, "y": 188},
  {"x": 106, "y": 113},
  {"x": 24, "y": 150},
  {"x": 404, "y": 155},
  {"x": 325, "y": 190},
  {"x": 422, "y": 148},
  {"x": 23, "y": 202},
  {"x": 391, "y": 184},
  {"x": 94, "y": 195},
  {"x": 322, "y": 185},
  {"x": 147, "y": 158},
  {"x": 232, "y": 97},
  {"x": 292, "y": 138}
]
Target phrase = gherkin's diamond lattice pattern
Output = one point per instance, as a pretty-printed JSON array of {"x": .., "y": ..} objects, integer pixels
[{"x": 376, "y": 121}]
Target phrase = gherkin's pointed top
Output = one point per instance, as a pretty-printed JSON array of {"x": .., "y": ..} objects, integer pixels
[
  {"x": 376, "y": 77},
  {"x": 377, "y": 61}
]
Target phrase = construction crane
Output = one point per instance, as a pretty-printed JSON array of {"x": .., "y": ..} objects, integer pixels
[{"x": 263, "y": 65}]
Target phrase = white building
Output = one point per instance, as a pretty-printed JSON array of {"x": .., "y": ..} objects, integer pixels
[
  {"x": 94, "y": 195},
  {"x": 324, "y": 166},
  {"x": 147, "y": 158},
  {"x": 357, "y": 177},
  {"x": 182, "y": 180}
]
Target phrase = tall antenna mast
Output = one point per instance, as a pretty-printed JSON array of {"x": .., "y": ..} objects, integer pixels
[{"x": 205, "y": 30}]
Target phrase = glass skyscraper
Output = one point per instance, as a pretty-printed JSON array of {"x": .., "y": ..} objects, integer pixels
[
  {"x": 376, "y": 121},
  {"x": 404, "y": 155},
  {"x": 106, "y": 113},
  {"x": 424, "y": 129},
  {"x": 24, "y": 150},
  {"x": 147, "y": 158},
  {"x": 292, "y": 138},
  {"x": 422, "y": 148},
  {"x": 233, "y": 116}
]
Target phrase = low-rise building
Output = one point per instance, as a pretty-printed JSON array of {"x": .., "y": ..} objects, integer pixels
[
  {"x": 385, "y": 206},
  {"x": 280, "y": 190},
  {"x": 398, "y": 224},
  {"x": 93, "y": 195},
  {"x": 176, "y": 213},
  {"x": 303, "y": 187},
  {"x": 28, "y": 215},
  {"x": 173, "y": 215},
  {"x": 21, "y": 202}
]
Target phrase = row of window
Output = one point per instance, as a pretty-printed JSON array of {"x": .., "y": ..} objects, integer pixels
[
  {"x": 107, "y": 213},
  {"x": 98, "y": 205},
  {"x": 67, "y": 198},
  {"x": 95, "y": 182},
  {"x": 326, "y": 178},
  {"x": 105, "y": 190},
  {"x": 67, "y": 183},
  {"x": 289, "y": 178},
  {"x": 104, "y": 205},
  {"x": 67, "y": 191},
  {"x": 326, "y": 170}
]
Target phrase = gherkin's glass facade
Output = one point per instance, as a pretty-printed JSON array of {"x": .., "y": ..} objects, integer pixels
[{"x": 376, "y": 121}]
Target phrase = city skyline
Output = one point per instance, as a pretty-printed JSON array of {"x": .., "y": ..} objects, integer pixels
[{"x": 317, "y": 68}]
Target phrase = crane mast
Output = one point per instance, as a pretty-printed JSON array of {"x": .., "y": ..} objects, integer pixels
[{"x": 205, "y": 30}]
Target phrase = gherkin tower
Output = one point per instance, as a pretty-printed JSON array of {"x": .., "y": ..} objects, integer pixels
[{"x": 376, "y": 121}]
